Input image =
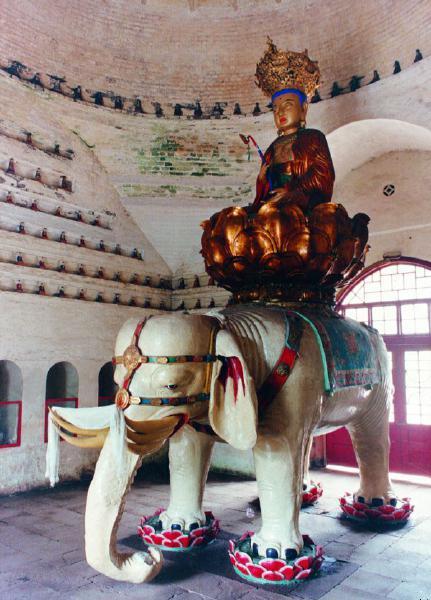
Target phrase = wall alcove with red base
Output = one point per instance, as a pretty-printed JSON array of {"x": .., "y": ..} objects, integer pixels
[{"x": 395, "y": 297}]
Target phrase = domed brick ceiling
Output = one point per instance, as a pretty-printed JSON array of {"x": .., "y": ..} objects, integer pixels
[{"x": 180, "y": 50}]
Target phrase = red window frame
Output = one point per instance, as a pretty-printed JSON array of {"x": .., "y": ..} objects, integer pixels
[
  {"x": 55, "y": 402},
  {"x": 111, "y": 400},
  {"x": 409, "y": 440},
  {"x": 18, "y": 437}
]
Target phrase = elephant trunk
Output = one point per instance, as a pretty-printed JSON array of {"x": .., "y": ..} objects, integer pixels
[{"x": 105, "y": 505}]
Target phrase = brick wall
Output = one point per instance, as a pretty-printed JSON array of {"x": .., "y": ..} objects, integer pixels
[{"x": 181, "y": 50}]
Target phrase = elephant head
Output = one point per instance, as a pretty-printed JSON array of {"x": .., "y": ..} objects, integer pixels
[
  {"x": 190, "y": 368},
  {"x": 218, "y": 388}
]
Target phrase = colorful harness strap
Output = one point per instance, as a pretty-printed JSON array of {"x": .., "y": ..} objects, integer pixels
[
  {"x": 132, "y": 359},
  {"x": 276, "y": 379}
]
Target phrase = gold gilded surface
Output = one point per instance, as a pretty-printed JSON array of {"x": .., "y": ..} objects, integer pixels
[
  {"x": 280, "y": 247},
  {"x": 281, "y": 69},
  {"x": 131, "y": 357}
]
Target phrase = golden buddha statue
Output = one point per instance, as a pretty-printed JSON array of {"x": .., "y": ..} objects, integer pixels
[
  {"x": 297, "y": 166},
  {"x": 292, "y": 242}
]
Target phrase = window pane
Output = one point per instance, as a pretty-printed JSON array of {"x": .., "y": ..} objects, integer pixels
[
  {"x": 359, "y": 314},
  {"x": 391, "y": 368},
  {"x": 384, "y": 318},
  {"x": 418, "y": 387},
  {"x": 392, "y": 283},
  {"x": 9, "y": 422},
  {"x": 414, "y": 318}
]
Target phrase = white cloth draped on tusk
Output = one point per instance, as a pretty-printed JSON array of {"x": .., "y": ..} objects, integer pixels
[{"x": 94, "y": 418}]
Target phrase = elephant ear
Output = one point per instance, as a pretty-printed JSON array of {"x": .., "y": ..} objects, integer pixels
[{"x": 233, "y": 400}]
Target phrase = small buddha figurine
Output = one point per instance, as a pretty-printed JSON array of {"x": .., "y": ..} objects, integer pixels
[
  {"x": 297, "y": 166},
  {"x": 34, "y": 205},
  {"x": 21, "y": 227},
  {"x": 44, "y": 234},
  {"x": 9, "y": 198},
  {"x": 11, "y": 167}
]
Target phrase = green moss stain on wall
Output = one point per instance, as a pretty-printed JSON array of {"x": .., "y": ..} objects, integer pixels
[{"x": 171, "y": 153}]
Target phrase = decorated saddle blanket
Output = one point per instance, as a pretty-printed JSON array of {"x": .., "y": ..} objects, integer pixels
[{"x": 348, "y": 349}]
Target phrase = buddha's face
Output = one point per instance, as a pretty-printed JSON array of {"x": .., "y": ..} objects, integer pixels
[{"x": 288, "y": 112}]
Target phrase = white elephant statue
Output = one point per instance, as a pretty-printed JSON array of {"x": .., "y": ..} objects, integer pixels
[{"x": 214, "y": 365}]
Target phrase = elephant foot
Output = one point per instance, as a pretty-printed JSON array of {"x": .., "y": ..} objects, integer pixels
[
  {"x": 178, "y": 537},
  {"x": 288, "y": 571},
  {"x": 311, "y": 492},
  {"x": 376, "y": 511}
]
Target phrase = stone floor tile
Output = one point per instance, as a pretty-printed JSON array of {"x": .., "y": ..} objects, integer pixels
[
  {"x": 367, "y": 581},
  {"x": 339, "y": 550},
  {"x": 42, "y": 535},
  {"x": 411, "y": 591},
  {"x": 346, "y": 592},
  {"x": 29, "y": 590}
]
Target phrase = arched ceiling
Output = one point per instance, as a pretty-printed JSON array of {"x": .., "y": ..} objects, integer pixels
[
  {"x": 362, "y": 141},
  {"x": 179, "y": 50}
]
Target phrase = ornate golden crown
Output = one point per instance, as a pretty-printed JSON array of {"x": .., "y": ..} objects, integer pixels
[{"x": 279, "y": 69}]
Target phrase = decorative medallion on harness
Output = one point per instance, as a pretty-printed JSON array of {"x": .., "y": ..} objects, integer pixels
[
  {"x": 132, "y": 357},
  {"x": 122, "y": 399}
]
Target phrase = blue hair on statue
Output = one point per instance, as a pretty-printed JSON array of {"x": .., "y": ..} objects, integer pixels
[{"x": 300, "y": 94}]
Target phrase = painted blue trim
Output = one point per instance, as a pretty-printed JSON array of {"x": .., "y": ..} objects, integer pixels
[
  {"x": 326, "y": 383},
  {"x": 300, "y": 94}
]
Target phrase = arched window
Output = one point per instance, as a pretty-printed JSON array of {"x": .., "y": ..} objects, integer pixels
[
  {"x": 107, "y": 386},
  {"x": 62, "y": 384},
  {"x": 395, "y": 298},
  {"x": 10, "y": 404}
]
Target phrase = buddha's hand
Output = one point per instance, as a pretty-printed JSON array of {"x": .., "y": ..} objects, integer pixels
[{"x": 278, "y": 194}]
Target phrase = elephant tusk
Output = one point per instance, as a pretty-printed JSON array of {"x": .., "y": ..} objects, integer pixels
[
  {"x": 87, "y": 438},
  {"x": 139, "y": 438},
  {"x": 151, "y": 426},
  {"x": 73, "y": 428},
  {"x": 83, "y": 442},
  {"x": 143, "y": 450}
]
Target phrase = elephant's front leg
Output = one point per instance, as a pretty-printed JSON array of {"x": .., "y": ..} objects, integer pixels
[
  {"x": 279, "y": 462},
  {"x": 189, "y": 460}
]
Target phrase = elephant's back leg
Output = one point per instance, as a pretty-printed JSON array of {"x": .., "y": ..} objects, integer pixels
[{"x": 369, "y": 432}]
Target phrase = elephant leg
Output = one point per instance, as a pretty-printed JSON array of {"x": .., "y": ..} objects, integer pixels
[
  {"x": 105, "y": 505},
  {"x": 189, "y": 460},
  {"x": 370, "y": 439},
  {"x": 307, "y": 463},
  {"x": 279, "y": 461}
]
